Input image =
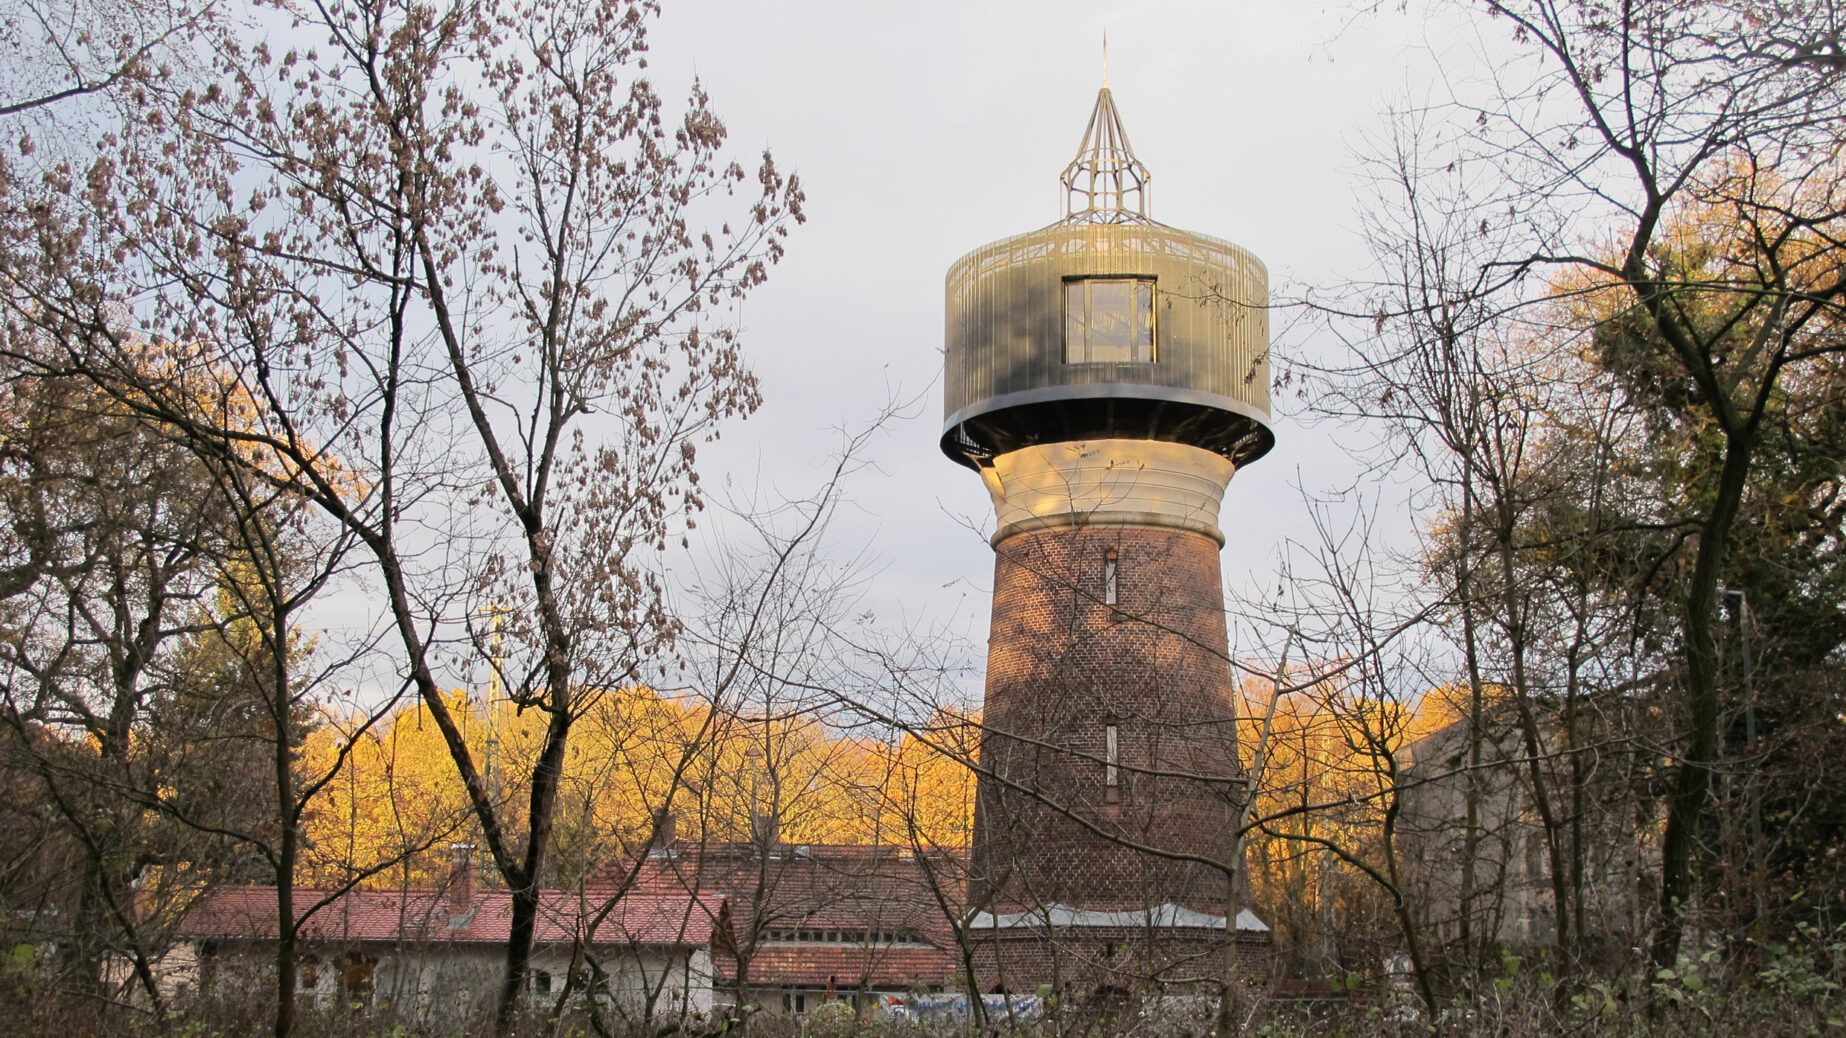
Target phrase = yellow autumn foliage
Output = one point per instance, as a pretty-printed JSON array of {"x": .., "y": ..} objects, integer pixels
[
  {"x": 633, "y": 755},
  {"x": 1330, "y": 763}
]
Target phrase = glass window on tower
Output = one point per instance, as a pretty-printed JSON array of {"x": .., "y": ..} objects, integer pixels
[{"x": 1109, "y": 321}]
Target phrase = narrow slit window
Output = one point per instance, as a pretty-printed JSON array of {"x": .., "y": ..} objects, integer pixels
[
  {"x": 1111, "y": 748},
  {"x": 1110, "y": 571},
  {"x": 1109, "y": 321}
]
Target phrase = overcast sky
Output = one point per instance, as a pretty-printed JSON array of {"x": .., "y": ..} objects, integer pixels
[{"x": 922, "y": 130}]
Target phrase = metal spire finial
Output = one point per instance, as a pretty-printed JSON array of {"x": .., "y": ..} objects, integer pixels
[
  {"x": 1105, "y": 183},
  {"x": 1105, "y": 59}
]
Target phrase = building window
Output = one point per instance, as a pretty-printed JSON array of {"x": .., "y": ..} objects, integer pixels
[
  {"x": 1111, "y": 757},
  {"x": 843, "y": 937},
  {"x": 1109, "y": 321},
  {"x": 1110, "y": 569},
  {"x": 356, "y": 979}
]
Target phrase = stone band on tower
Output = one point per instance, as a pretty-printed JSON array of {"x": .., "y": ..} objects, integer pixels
[{"x": 1106, "y": 376}]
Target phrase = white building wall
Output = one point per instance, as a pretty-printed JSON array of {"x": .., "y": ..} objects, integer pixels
[{"x": 438, "y": 981}]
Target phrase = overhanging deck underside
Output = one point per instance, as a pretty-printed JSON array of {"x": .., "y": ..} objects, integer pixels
[{"x": 1230, "y": 428}]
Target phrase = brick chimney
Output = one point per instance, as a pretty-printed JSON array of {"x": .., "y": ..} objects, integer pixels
[
  {"x": 765, "y": 830},
  {"x": 666, "y": 828},
  {"x": 461, "y": 884}
]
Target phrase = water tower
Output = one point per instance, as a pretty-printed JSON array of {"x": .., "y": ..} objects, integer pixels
[{"x": 1106, "y": 376}]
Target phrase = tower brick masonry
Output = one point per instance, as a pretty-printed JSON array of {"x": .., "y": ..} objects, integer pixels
[{"x": 1064, "y": 666}]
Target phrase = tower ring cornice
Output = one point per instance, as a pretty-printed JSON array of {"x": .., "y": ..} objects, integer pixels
[{"x": 1111, "y": 482}]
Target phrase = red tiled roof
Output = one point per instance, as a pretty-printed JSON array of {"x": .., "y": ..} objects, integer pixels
[
  {"x": 828, "y": 886},
  {"x": 423, "y": 915},
  {"x": 848, "y": 891},
  {"x": 845, "y": 966}
]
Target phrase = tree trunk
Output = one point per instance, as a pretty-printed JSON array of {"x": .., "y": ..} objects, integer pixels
[
  {"x": 288, "y": 848},
  {"x": 285, "y": 948},
  {"x": 1528, "y": 725},
  {"x": 1471, "y": 834},
  {"x": 1686, "y": 801},
  {"x": 541, "y": 811},
  {"x": 518, "y": 954},
  {"x": 1228, "y": 1023},
  {"x": 87, "y": 962}
]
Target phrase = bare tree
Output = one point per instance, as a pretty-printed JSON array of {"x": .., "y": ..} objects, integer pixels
[
  {"x": 483, "y": 322},
  {"x": 117, "y": 540},
  {"x": 1614, "y": 136},
  {"x": 67, "y": 51},
  {"x": 1510, "y": 434},
  {"x": 259, "y": 688}
]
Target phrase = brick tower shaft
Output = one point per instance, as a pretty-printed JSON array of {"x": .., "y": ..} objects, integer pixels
[{"x": 1108, "y": 726}]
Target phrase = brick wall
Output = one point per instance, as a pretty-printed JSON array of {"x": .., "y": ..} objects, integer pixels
[
  {"x": 1063, "y": 666},
  {"x": 1080, "y": 961}
]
